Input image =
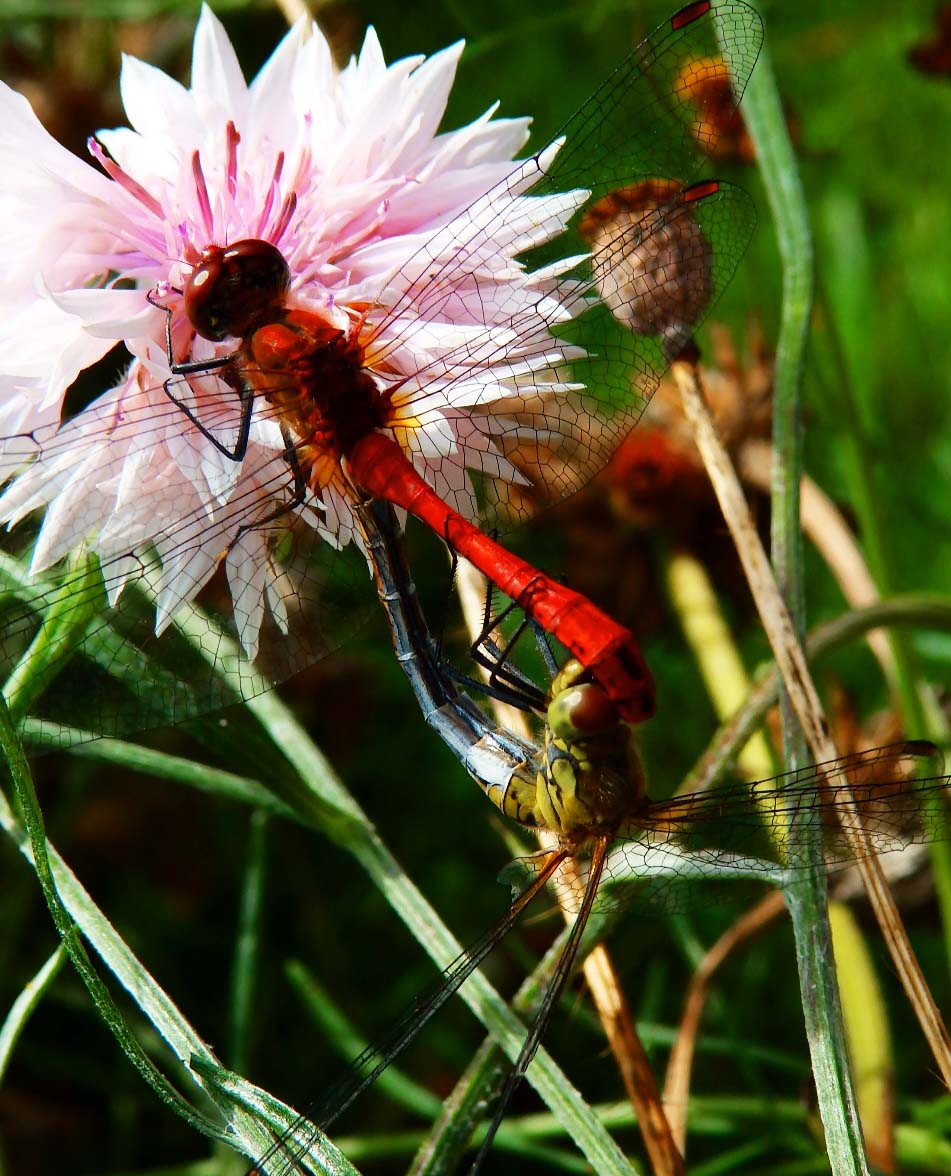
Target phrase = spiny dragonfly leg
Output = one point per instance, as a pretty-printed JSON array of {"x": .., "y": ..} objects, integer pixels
[
  {"x": 505, "y": 677},
  {"x": 298, "y": 498},
  {"x": 556, "y": 986},
  {"x": 203, "y": 366},
  {"x": 506, "y": 682}
]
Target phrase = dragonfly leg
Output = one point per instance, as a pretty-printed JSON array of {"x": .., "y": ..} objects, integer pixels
[
  {"x": 511, "y": 686},
  {"x": 198, "y": 367},
  {"x": 298, "y": 498},
  {"x": 506, "y": 682},
  {"x": 504, "y": 675},
  {"x": 549, "y": 1001}
]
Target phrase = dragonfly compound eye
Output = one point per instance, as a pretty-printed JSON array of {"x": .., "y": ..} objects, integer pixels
[
  {"x": 581, "y": 712},
  {"x": 651, "y": 263},
  {"x": 232, "y": 289}
]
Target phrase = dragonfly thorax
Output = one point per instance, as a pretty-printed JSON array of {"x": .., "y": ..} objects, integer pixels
[
  {"x": 589, "y": 786},
  {"x": 311, "y": 372},
  {"x": 313, "y": 375}
]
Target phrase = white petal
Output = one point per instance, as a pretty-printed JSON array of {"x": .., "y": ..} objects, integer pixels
[
  {"x": 216, "y": 72},
  {"x": 33, "y": 162},
  {"x": 107, "y": 314},
  {"x": 156, "y": 105}
]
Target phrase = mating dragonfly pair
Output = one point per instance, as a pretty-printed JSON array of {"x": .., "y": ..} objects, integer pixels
[
  {"x": 583, "y": 782},
  {"x": 430, "y": 393}
]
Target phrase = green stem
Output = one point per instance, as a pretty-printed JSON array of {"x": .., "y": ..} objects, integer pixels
[
  {"x": 848, "y": 294},
  {"x": 36, "y": 834},
  {"x": 806, "y": 896},
  {"x": 26, "y": 1003},
  {"x": 248, "y": 943}
]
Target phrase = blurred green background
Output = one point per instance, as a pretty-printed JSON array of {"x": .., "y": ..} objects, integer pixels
[{"x": 166, "y": 863}]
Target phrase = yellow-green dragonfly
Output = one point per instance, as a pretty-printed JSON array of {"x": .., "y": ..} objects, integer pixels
[{"x": 584, "y": 782}]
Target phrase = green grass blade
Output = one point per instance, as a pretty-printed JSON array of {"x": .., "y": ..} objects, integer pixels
[
  {"x": 25, "y": 1004},
  {"x": 805, "y": 897},
  {"x": 55, "y": 881},
  {"x": 248, "y": 943},
  {"x": 63, "y": 628}
]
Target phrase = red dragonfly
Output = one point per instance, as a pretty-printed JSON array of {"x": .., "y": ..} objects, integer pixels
[{"x": 350, "y": 415}]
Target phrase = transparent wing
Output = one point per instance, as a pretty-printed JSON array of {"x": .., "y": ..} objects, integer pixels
[
  {"x": 239, "y": 534},
  {"x": 727, "y": 841},
  {"x": 273, "y": 593},
  {"x": 647, "y": 252}
]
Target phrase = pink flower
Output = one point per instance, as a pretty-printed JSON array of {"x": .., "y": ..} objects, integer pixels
[{"x": 345, "y": 172}]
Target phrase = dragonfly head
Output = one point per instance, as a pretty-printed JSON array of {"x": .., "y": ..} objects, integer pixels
[
  {"x": 592, "y": 777},
  {"x": 232, "y": 290}
]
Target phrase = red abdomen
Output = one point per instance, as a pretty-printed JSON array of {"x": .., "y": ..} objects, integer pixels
[{"x": 600, "y": 643}]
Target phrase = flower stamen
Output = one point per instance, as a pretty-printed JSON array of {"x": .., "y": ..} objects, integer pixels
[
  {"x": 284, "y": 217},
  {"x": 204, "y": 201},
  {"x": 272, "y": 191},
  {"x": 361, "y": 234},
  {"x": 231, "y": 160},
  {"x": 125, "y": 181}
]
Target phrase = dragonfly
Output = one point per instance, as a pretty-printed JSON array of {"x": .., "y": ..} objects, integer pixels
[
  {"x": 583, "y": 781},
  {"x": 334, "y": 404}
]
